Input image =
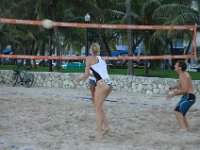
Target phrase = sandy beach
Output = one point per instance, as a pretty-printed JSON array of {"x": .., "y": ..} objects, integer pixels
[{"x": 41, "y": 118}]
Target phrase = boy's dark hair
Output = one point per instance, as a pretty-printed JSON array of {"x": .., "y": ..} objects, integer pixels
[{"x": 183, "y": 65}]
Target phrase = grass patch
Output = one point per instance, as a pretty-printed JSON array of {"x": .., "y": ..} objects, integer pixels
[
  {"x": 152, "y": 73},
  {"x": 137, "y": 72}
]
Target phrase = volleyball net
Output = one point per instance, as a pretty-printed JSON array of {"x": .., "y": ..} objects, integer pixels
[{"x": 188, "y": 32}]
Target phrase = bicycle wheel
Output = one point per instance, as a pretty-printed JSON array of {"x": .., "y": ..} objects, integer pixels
[
  {"x": 13, "y": 80},
  {"x": 28, "y": 81}
]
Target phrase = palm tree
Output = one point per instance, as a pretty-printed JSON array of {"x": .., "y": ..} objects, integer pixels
[
  {"x": 101, "y": 11},
  {"x": 154, "y": 12},
  {"x": 141, "y": 15},
  {"x": 33, "y": 10},
  {"x": 129, "y": 37},
  {"x": 177, "y": 14},
  {"x": 21, "y": 37}
]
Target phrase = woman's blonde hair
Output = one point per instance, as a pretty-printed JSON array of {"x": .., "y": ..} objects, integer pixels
[{"x": 95, "y": 48}]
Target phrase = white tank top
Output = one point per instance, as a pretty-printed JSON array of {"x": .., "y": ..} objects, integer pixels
[{"x": 100, "y": 69}]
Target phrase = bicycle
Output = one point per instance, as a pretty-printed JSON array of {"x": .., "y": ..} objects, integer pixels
[{"x": 21, "y": 78}]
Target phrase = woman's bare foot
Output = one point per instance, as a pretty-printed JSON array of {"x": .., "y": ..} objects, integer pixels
[
  {"x": 98, "y": 137},
  {"x": 183, "y": 130},
  {"x": 92, "y": 135},
  {"x": 105, "y": 131}
]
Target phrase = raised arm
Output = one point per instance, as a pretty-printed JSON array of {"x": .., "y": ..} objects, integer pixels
[
  {"x": 174, "y": 87},
  {"x": 87, "y": 71}
]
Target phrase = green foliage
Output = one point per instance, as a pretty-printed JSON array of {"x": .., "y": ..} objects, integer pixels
[{"x": 36, "y": 39}]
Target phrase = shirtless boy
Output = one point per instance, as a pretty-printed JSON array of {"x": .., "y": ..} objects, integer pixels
[{"x": 185, "y": 89}]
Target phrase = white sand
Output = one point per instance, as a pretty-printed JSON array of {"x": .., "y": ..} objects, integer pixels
[{"x": 61, "y": 119}]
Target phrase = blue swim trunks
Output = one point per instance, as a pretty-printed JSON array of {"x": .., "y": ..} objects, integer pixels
[{"x": 186, "y": 101}]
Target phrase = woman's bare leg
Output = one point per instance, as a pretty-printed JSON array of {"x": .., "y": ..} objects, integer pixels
[
  {"x": 99, "y": 114},
  {"x": 100, "y": 94},
  {"x": 92, "y": 90},
  {"x": 105, "y": 125}
]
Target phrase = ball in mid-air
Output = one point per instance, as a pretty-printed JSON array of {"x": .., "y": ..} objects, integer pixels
[{"x": 48, "y": 24}]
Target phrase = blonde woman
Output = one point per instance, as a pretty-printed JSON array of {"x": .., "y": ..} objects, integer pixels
[{"x": 98, "y": 66}]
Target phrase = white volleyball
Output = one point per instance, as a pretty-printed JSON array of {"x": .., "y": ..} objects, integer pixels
[{"x": 48, "y": 24}]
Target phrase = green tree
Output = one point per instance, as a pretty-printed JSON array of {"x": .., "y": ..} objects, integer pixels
[{"x": 129, "y": 36}]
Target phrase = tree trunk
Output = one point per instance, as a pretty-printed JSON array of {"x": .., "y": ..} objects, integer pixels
[
  {"x": 188, "y": 47},
  {"x": 172, "y": 53},
  {"x": 58, "y": 49},
  {"x": 146, "y": 67},
  {"x": 50, "y": 49},
  {"x": 129, "y": 37},
  {"x": 106, "y": 48},
  {"x": 51, "y": 32}
]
